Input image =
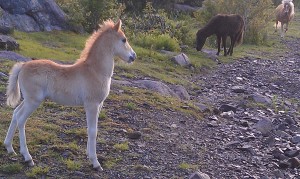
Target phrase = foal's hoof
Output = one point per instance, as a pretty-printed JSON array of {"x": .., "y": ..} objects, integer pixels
[
  {"x": 30, "y": 163},
  {"x": 99, "y": 169}
]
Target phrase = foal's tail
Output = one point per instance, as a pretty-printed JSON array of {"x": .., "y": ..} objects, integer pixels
[{"x": 13, "y": 89}]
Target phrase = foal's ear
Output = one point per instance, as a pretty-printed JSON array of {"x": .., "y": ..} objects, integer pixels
[{"x": 118, "y": 25}]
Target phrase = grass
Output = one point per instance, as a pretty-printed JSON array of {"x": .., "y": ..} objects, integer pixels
[
  {"x": 111, "y": 162},
  {"x": 11, "y": 168},
  {"x": 72, "y": 165},
  {"x": 58, "y": 45},
  {"x": 121, "y": 146},
  {"x": 37, "y": 171},
  {"x": 187, "y": 166}
]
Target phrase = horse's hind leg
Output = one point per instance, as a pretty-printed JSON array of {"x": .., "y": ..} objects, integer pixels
[
  {"x": 232, "y": 43},
  {"x": 282, "y": 32},
  {"x": 11, "y": 130},
  {"x": 92, "y": 112},
  {"x": 24, "y": 112},
  {"x": 219, "y": 44},
  {"x": 276, "y": 24},
  {"x": 224, "y": 44}
]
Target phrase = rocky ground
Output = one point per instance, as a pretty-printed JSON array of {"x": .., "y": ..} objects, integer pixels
[
  {"x": 254, "y": 132},
  {"x": 250, "y": 127}
]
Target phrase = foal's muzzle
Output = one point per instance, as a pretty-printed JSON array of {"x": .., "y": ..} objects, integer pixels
[{"x": 132, "y": 57}]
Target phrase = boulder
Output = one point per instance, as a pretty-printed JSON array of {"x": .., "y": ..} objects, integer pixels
[
  {"x": 185, "y": 8},
  {"x": 199, "y": 175},
  {"x": 5, "y": 30},
  {"x": 13, "y": 56},
  {"x": 181, "y": 59},
  {"x": 8, "y": 43},
  {"x": 160, "y": 87},
  {"x": 32, "y": 15}
]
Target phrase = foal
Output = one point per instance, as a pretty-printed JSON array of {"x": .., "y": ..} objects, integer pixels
[
  {"x": 284, "y": 14},
  {"x": 222, "y": 25},
  {"x": 85, "y": 83}
]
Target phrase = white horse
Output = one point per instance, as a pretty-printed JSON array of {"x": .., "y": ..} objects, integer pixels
[
  {"x": 284, "y": 14},
  {"x": 85, "y": 83}
]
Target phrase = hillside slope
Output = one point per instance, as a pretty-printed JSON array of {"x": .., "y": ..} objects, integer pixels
[{"x": 247, "y": 126}]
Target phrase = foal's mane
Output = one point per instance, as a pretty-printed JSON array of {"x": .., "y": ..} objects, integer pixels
[{"x": 109, "y": 24}]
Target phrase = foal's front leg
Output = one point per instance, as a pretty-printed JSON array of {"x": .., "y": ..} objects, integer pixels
[{"x": 92, "y": 112}]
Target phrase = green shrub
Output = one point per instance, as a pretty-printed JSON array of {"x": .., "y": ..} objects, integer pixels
[{"x": 157, "y": 42}]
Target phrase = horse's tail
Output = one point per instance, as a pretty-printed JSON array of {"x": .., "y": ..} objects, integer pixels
[
  {"x": 13, "y": 89},
  {"x": 239, "y": 39}
]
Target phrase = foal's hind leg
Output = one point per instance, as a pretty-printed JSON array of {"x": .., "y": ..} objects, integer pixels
[
  {"x": 24, "y": 112},
  {"x": 92, "y": 112},
  {"x": 11, "y": 130}
]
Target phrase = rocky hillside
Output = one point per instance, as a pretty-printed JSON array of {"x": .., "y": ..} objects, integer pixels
[
  {"x": 29, "y": 16},
  {"x": 242, "y": 121}
]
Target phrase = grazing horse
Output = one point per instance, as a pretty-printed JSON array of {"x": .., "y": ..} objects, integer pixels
[
  {"x": 222, "y": 25},
  {"x": 85, "y": 83},
  {"x": 284, "y": 14}
]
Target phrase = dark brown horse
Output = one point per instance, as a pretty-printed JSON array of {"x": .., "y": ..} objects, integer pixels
[
  {"x": 222, "y": 25},
  {"x": 284, "y": 14}
]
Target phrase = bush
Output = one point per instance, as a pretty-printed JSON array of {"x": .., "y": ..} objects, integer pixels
[
  {"x": 256, "y": 14},
  {"x": 90, "y": 13},
  {"x": 157, "y": 42}
]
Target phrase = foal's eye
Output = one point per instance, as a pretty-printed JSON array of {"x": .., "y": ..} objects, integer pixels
[{"x": 124, "y": 40}]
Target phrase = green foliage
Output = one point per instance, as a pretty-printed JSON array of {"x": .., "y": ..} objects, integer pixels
[
  {"x": 37, "y": 171},
  {"x": 122, "y": 146},
  {"x": 131, "y": 106},
  {"x": 157, "y": 42},
  {"x": 11, "y": 168},
  {"x": 72, "y": 165},
  {"x": 73, "y": 9},
  {"x": 102, "y": 114},
  {"x": 111, "y": 162},
  {"x": 90, "y": 13},
  {"x": 256, "y": 14},
  {"x": 186, "y": 166}
]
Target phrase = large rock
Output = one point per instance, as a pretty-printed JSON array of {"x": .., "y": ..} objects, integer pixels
[
  {"x": 181, "y": 59},
  {"x": 8, "y": 43},
  {"x": 13, "y": 56},
  {"x": 160, "y": 87},
  {"x": 32, "y": 15}
]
